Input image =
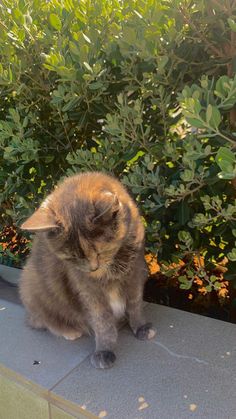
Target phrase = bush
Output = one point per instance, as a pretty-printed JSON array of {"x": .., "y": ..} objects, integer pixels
[{"x": 145, "y": 90}]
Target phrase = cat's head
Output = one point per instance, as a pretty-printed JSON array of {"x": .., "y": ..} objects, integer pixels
[{"x": 83, "y": 221}]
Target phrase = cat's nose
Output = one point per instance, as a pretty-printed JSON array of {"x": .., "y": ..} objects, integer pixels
[{"x": 94, "y": 265}]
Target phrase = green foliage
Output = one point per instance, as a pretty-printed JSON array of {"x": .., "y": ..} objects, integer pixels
[{"x": 144, "y": 90}]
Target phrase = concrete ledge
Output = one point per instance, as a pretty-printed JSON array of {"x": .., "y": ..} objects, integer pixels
[{"x": 188, "y": 370}]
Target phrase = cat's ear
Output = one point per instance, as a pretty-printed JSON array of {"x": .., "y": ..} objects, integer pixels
[
  {"x": 107, "y": 206},
  {"x": 41, "y": 220}
]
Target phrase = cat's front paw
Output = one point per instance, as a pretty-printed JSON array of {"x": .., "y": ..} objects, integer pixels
[
  {"x": 145, "y": 332},
  {"x": 103, "y": 359}
]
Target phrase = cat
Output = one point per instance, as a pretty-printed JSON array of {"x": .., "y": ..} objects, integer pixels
[{"x": 87, "y": 269}]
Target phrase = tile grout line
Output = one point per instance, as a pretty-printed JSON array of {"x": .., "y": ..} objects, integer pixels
[
  {"x": 19, "y": 379},
  {"x": 49, "y": 410},
  {"x": 67, "y": 374},
  {"x": 46, "y": 395}
]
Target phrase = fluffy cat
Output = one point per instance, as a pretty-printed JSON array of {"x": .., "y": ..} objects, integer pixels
[{"x": 87, "y": 270}]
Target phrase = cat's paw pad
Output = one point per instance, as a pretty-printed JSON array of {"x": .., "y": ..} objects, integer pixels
[
  {"x": 145, "y": 332},
  {"x": 72, "y": 335},
  {"x": 103, "y": 359}
]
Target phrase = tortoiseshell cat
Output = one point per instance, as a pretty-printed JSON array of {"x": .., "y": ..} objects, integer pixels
[{"x": 87, "y": 269}]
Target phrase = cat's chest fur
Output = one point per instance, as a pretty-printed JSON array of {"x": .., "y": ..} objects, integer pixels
[{"x": 116, "y": 301}]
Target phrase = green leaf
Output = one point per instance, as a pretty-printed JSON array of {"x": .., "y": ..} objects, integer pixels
[
  {"x": 185, "y": 286},
  {"x": 86, "y": 38},
  {"x": 221, "y": 85},
  {"x": 199, "y": 220},
  {"x": 131, "y": 161},
  {"x": 197, "y": 106},
  {"x": 88, "y": 67},
  {"x": 184, "y": 236},
  {"x": 18, "y": 16},
  {"x": 183, "y": 213},
  {"x": 55, "y": 21},
  {"x": 49, "y": 159},
  {"x": 232, "y": 24},
  {"x": 73, "y": 48},
  {"x": 187, "y": 175},
  {"x": 195, "y": 122},
  {"x": 95, "y": 86},
  {"x": 71, "y": 104},
  {"x": 183, "y": 278},
  {"x": 196, "y": 94},
  {"x": 232, "y": 255},
  {"x": 204, "y": 83},
  {"x": 209, "y": 113},
  {"x": 138, "y": 14},
  {"x": 186, "y": 92},
  {"x": 226, "y": 176},
  {"x": 217, "y": 285},
  {"x": 162, "y": 61},
  {"x": 226, "y": 160},
  {"x": 215, "y": 117},
  {"x": 190, "y": 273}
]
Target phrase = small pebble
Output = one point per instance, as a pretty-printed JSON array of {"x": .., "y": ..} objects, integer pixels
[
  {"x": 102, "y": 414},
  {"x": 143, "y": 406},
  {"x": 192, "y": 407}
]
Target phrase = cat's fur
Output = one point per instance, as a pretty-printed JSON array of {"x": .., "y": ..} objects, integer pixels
[{"x": 87, "y": 269}]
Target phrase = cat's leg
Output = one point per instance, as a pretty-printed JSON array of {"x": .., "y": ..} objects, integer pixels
[
  {"x": 141, "y": 329},
  {"x": 104, "y": 327}
]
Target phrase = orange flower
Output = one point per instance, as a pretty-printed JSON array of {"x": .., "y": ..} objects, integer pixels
[
  {"x": 152, "y": 263},
  {"x": 198, "y": 261},
  {"x": 198, "y": 281},
  {"x": 223, "y": 292},
  {"x": 202, "y": 290}
]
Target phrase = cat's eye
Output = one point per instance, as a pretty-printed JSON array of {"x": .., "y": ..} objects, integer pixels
[
  {"x": 53, "y": 233},
  {"x": 79, "y": 254},
  {"x": 114, "y": 214}
]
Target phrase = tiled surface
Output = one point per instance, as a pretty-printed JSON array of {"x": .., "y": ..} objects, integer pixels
[
  {"x": 204, "y": 338},
  {"x": 20, "y": 346},
  {"x": 179, "y": 375},
  {"x": 188, "y": 370},
  {"x": 18, "y": 403}
]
